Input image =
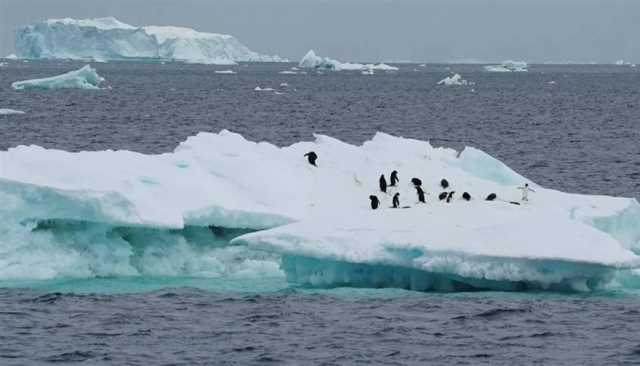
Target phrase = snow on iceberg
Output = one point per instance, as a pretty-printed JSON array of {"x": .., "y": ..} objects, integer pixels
[
  {"x": 8, "y": 111},
  {"x": 508, "y": 66},
  {"x": 83, "y": 78},
  {"x": 225, "y": 72},
  {"x": 268, "y": 202},
  {"x": 313, "y": 61},
  {"x": 110, "y": 39},
  {"x": 454, "y": 80}
]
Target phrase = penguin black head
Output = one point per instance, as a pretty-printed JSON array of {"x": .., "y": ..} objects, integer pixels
[
  {"x": 466, "y": 196},
  {"x": 394, "y": 178},
  {"x": 491, "y": 197},
  {"x": 374, "y": 201},
  {"x": 443, "y": 196},
  {"x": 416, "y": 182},
  {"x": 396, "y": 200},
  {"x": 312, "y": 157},
  {"x": 444, "y": 183}
]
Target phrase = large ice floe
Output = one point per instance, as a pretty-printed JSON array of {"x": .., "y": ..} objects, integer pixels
[
  {"x": 83, "y": 78},
  {"x": 105, "y": 39},
  {"x": 222, "y": 204},
  {"x": 508, "y": 66},
  {"x": 313, "y": 61}
]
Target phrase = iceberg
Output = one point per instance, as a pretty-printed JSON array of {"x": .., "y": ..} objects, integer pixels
[
  {"x": 508, "y": 66},
  {"x": 454, "y": 80},
  {"x": 107, "y": 39},
  {"x": 225, "y": 72},
  {"x": 221, "y": 203},
  {"x": 8, "y": 111},
  {"x": 313, "y": 61},
  {"x": 83, "y": 78}
]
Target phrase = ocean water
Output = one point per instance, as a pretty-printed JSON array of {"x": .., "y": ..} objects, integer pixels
[{"x": 570, "y": 127}]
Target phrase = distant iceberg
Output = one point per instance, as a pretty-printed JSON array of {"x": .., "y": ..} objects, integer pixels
[
  {"x": 84, "y": 78},
  {"x": 508, "y": 66},
  {"x": 107, "y": 39},
  {"x": 625, "y": 63},
  {"x": 313, "y": 61},
  {"x": 454, "y": 80},
  {"x": 225, "y": 72},
  {"x": 8, "y": 111},
  {"x": 127, "y": 209}
]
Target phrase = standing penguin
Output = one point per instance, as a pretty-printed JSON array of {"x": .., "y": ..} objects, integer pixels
[
  {"x": 420, "y": 194},
  {"x": 396, "y": 200},
  {"x": 444, "y": 183},
  {"x": 375, "y": 202},
  {"x": 416, "y": 182},
  {"x": 383, "y": 184},
  {"x": 312, "y": 157},
  {"x": 394, "y": 178},
  {"x": 450, "y": 196}
]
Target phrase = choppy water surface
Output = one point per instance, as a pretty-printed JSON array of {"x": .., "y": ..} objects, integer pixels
[{"x": 579, "y": 133}]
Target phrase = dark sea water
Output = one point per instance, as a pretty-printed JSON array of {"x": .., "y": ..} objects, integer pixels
[{"x": 578, "y": 134}]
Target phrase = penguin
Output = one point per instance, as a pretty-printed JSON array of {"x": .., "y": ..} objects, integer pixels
[
  {"x": 375, "y": 202},
  {"x": 312, "y": 157},
  {"x": 396, "y": 200},
  {"x": 443, "y": 196},
  {"x": 383, "y": 184},
  {"x": 394, "y": 178},
  {"x": 466, "y": 196},
  {"x": 416, "y": 182},
  {"x": 444, "y": 183},
  {"x": 450, "y": 196},
  {"x": 491, "y": 197},
  {"x": 420, "y": 194}
]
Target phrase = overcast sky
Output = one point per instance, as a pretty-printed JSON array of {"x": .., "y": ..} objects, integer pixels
[{"x": 379, "y": 30}]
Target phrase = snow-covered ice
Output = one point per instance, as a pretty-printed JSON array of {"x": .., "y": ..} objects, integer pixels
[
  {"x": 8, "y": 111},
  {"x": 317, "y": 220},
  {"x": 508, "y": 66},
  {"x": 454, "y": 80},
  {"x": 313, "y": 61},
  {"x": 83, "y": 78},
  {"x": 108, "y": 39}
]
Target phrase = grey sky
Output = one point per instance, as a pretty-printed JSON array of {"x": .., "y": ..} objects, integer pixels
[{"x": 375, "y": 30}]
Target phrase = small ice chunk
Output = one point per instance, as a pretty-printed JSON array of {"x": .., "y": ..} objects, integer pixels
[
  {"x": 83, "y": 78},
  {"x": 454, "y": 80},
  {"x": 8, "y": 111}
]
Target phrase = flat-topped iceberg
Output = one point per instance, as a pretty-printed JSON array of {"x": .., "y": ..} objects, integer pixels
[
  {"x": 105, "y": 39},
  {"x": 315, "y": 220},
  {"x": 313, "y": 61},
  {"x": 453, "y": 80},
  {"x": 508, "y": 66},
  {"x": 83, "y": 78}
]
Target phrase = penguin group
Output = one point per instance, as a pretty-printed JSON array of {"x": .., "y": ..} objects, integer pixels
[{"x": 446, "y": 196}]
